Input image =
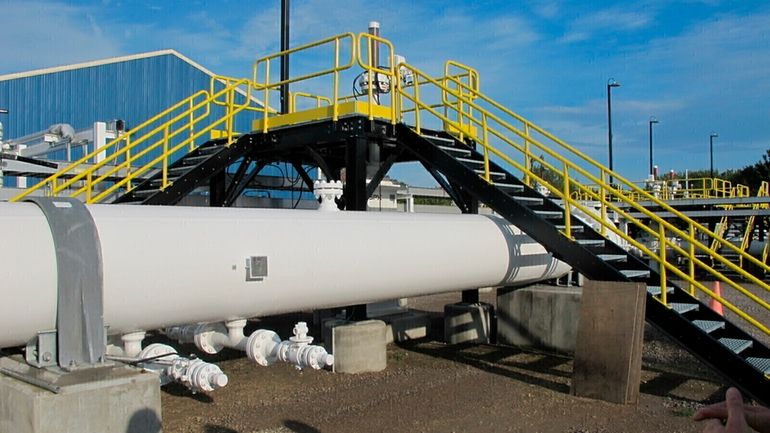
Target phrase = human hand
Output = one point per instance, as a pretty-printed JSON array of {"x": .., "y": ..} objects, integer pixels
[{"x": 736, "y": 414}]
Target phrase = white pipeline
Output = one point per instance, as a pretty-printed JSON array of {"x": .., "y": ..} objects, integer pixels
[{"x": 170, "y": 265}]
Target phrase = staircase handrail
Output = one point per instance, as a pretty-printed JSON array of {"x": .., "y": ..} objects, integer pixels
[
  {"x": 197, "y": 107},
  {"x": 603, "y": 196}
]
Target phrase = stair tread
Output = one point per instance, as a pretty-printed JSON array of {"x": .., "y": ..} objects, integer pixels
[
  {"x": 634, "y": 273},
  {"x": 761, "y": 364},
  {"x": 491, "y": 173},
  {"x": 737, "y": 345},
  {"x": 550, "y": 213},
  {"x": 437, "y": 138},
  {"x": 209, "y": 150},
  {"x": 574, "y": 228},
  {"x": 591, "y": 242},
  {"x": 614, "y": 258},
  {"x": 509, "y": 185},
  {"x": 144, "y": 191},
  {"x": 465, "y": 152},
  {"x": 683, "y": 307},
  {"x": 709, "y": 326},
  {"x": 468, "y": 160},
  {"x": 522, "y": 198},
  {"x": 655, "y": 290}
]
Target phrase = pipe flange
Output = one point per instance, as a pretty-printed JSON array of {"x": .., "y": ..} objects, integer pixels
[
  {"x": 204, "y": 340},
  {"x": 156, "y": 350},
  {"x": 204, "y": 376},
  {"x": 260, "y": 347}
]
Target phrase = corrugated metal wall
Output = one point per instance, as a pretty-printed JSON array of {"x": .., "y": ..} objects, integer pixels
[{"x": 133, "y": 90}]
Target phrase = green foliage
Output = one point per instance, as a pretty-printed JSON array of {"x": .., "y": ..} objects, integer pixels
[{"x": 751, "y": 175}]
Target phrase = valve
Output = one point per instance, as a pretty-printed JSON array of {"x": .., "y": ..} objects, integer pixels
[{"x": 196, "y": 374}]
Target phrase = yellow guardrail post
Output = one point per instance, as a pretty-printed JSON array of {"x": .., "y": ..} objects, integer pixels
[
  {"x": 527, "y": 156},
  {"x": 662, "y": 271},
  {"x": 265, "y": 117},
  {"x": 128, "y": 161},
  {"x": 691, "y": 264},
  {"x": 229, "y": 114},
  {"x": 566, "y": 200},
  {"x": 603, "y": 202},
  {"x": 89, "y": 186},
  {"x": 417, "y": 109},
  {"x": 487, "y": 176},
  {"x": 164, "y": 183},
  {"x": 336, "y": 79},
  {"x": 191, "y": 119}
]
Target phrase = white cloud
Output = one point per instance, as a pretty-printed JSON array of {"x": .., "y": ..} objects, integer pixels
[
  {"x": 609, "y": 21},
  {"x": 37, "y": 34}
]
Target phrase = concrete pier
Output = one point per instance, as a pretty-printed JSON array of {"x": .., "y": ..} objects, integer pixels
[
  {"x": 359, "y": 347},
  {"x": 539, "y": 316},
  {"x": 108, "y": 399},
  {"x": 608, "y": 355},
  {"x": 468, "y": 323}
]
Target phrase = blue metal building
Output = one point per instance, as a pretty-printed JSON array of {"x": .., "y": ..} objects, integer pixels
[{"x": 133, "y": 88}]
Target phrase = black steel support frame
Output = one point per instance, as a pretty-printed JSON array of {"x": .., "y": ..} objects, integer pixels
[
  {"x": 344, "y": 144},
  {"x": 704, "y": 346}
]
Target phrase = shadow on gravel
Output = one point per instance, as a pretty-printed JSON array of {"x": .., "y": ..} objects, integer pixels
[
  {"x": 179, "y": 390},
  {"x": 299, "y": 427},
  {"x": 210, "y": 428},
  {"x": 489, "y": 361}
]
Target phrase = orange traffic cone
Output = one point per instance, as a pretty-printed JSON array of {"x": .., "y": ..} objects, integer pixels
[{"x": 713, "y": 303}]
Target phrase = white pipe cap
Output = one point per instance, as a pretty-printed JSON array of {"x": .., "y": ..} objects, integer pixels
[{"x": 374, "y": 24}]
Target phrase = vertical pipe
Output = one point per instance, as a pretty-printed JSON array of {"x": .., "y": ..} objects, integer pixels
[
  {"x": 651, "y": 147},
  {"x": 609, "y": 127},
  {"x": 285, "y": 58},
  {"x": 374, "y": 46}
]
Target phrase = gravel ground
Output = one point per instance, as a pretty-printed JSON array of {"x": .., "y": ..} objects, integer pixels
[{"x": 431, "y": 387}]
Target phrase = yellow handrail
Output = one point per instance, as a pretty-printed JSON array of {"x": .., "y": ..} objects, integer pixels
[
  {"x": 52, "y": 180},
  {"x": 319, "y": 100},
  {"x": 190, "y": 112},
  {"x": 607, "y": 195},
  {"x": 265, "y": 62}
]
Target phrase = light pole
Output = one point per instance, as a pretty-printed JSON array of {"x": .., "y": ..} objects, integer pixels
[
  {"x": 652, "y": 120},
  {"x": 610, "y": 84},
  {"x": 711, "y": 151}
]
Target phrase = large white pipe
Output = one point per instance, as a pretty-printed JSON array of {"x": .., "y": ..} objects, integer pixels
[{"x": 166, "y": 266}]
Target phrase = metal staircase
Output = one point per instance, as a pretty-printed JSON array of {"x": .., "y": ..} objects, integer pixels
[
  {"x": 728, "y": 349},
  {"x": 187, "y": 173},
  {"x": 474, "y": 146}
]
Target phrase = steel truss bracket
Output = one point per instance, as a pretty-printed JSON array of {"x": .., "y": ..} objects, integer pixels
[
  {"x": 80, "y": 334},
  {"x": 41, "y": 350}
]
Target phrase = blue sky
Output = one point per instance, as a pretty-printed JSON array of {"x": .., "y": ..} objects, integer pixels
[{"x": 696, "y": 65}]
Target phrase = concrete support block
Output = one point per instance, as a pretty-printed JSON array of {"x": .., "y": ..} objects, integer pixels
[
  {"x": 359, "y": 347},
  {"x": 406, "y": 326},
  {"x": 608, "y": 354},
  {"x": 377, "y": 310},
  {"x": 468, "y": 323},
  {"x": 99, "y": 400},
  {"x": 327, "y": 328},
  {"x": 539, "y": 316}
]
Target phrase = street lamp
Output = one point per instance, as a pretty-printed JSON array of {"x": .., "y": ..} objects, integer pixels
[
  {"x": 610, "y": 84},
  {"x": 652, "y": 120},
  {"x": 711, "y": 151}
]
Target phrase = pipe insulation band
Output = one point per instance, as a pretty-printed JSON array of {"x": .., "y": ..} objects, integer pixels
[{"x": 79, "y": 309}]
